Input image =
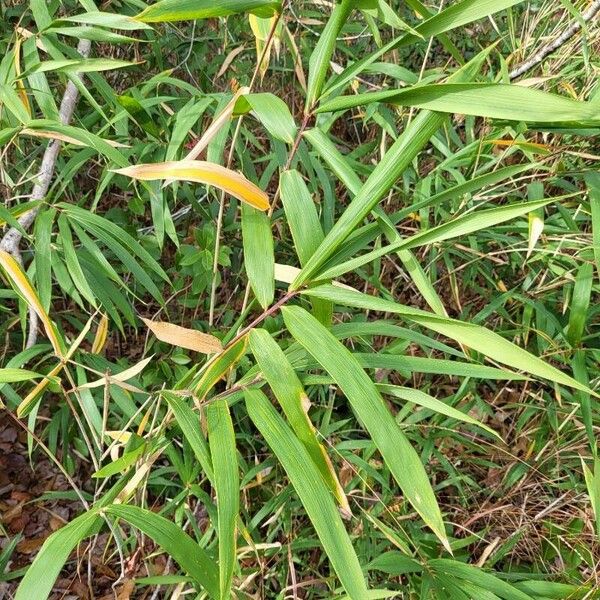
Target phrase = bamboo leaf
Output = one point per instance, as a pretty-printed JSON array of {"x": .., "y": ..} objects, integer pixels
[
  {"x": 383, "y": 177},
  {"x": 455, "y": 15},
  {"x": 259, "y": 257},
  {"x": 293, "y": 399},
  {"x": 184, "y": 10},
  {"x": 189, "y": 422},
  {"x": 22, "y": 285},
  {"x": 204, "y": 172},
  {"x": 41, "y": 575},
  {"x": 193, "y": 559},
  {"x": 318, "y": 64},
  {"x": 492, "y": 100},
  {"x": 312, "y": 491},
  {"x": 400, "y": 457},
  {"x": 479, "y": 338},
  {"x": 183, "y": 337},
  {"x": 221, "y": 438}
]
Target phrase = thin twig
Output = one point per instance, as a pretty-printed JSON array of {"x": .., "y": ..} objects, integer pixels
[{"x": 555, "y": 44}]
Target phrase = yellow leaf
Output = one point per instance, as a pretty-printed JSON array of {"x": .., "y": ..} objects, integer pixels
[
  {"x": 119, "y": 378},
  {"x": 24, "y": 287},
  {"x": 101, "y": 334},
  {"x": 53, "y": 135},
  {"x": 20, "y": 85},
  {"x": 216, "y": 125},
  {"x": 184, "y": 338},
  {"x": 202, "y": 172},
  {"x": 32, "y": 397}
]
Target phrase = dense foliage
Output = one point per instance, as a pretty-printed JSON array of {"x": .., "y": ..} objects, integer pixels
[{"x": 297, "y": 300}]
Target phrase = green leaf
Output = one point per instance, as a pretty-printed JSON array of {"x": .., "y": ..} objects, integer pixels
[
  {"x": 183, "y": 10},
  {"x": 479, "y": 338},
  {"x": 431, "y": 403},
  {"x": 221, "y": 438},
  {"x": 272, "y": 112},
  {"x": 72, "y": 261},
  {"x": 312, "y": 491},
  {"x": 456, "y": 15},
  {"x": 461, "y": 226},
  {"x": 83, "y": 65},
  {"x": 193, "y": 559},
  {"x": 189, "y": 422},
  {"x": 382, "y": 178},
  {"x": 400, "y": 457},
  {"x": 87, "y": 32},
  {"x": 492, "y": 100},
  {"x": 218, "y": 366},
  {"x": 41, "y": 575},
  {"x": 318, "y": 64},
  {"x": 592, "y": 181},
  {"x": 12, "y": 102},
  {"x": 16, "y": 375},
  {"x": 140, "y": 115},
  {"x": 288, "y": 390},
  {"x": 304, "y": 224},
  {"x": 457, "y": 570},
  {"x": 580, "y": 303},
  {"x": 105, "y": 19},
  {"x": 259, "y": 258},
  {"x": 43, "y": 255}
]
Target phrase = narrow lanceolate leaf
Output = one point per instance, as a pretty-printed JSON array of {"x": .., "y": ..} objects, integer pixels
[
  {"x": 384, "y": 176},
  {"x": 118, "y": 378},
  {"x": 221, "y": 438},
  {"x": 183, "y": 337},
  {"x": 22, "y": 285},
  {"x": 202, "y": 172},
  {"x": 338, "y": 164},
  {"x": 259, "y": 257},
  {"x": 454, "y": 569},
  {"x": 593, "y": 182},
  {"x": 399, "y": 456},
  {"x": 461, "y": 226},
  {"x": 15, "y": 375},
  {"x": 293, "y": 399},
  {"x": 218, "y": 366},
  {"x": 273, "y": 113},
  {"x": 580, "y": 303},
  {"x": 304, "y": 224},
  {"x": 320, "y": 58},
  {"x": 193, "y": 559},
  {"x": 312, "y": 491},
  {"x": 492, "y": 100},
  {"x": 426, "y": 401},
  {"x": 456, "y": 15},
  {"x": 101, "y": 335},
  {"x": 184, "y": 10},
  {"x": 41, "y": 575},
  {"x": 479, "y": 338},
  {"x": 189, "y": 422}
]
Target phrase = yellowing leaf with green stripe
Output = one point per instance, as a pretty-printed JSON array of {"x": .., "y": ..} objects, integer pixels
[
  {"x": 23, "y": 286},
  {"x": 366, "y": 401},
  {"x": 288, "y": 390},
  {"x": 200, "y": 171}
]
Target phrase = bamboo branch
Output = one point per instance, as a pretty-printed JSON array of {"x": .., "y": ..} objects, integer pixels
[{"x": 555, "y": 44}]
